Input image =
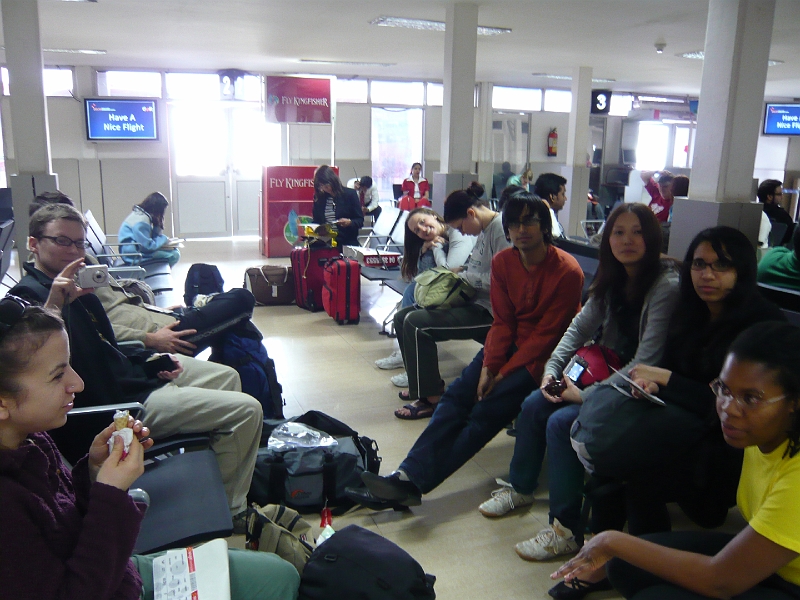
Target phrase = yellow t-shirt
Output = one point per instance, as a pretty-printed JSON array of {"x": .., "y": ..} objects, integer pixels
[{"x": 769, "y": 498}]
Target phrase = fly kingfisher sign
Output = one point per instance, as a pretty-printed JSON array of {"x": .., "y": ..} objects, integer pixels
[{"x": 298, "y": 100}]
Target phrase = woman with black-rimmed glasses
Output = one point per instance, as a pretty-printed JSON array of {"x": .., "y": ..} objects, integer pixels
[{"x": 756, "y": 401}]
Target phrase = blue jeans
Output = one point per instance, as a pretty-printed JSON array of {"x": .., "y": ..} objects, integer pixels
[
  {"x": 408, "y": 295},
  {"x": 545, "y": 425},
  {"x": 460, "y": 427}
]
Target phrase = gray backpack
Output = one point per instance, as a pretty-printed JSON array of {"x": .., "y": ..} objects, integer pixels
[{"x": 440, "y": 288}]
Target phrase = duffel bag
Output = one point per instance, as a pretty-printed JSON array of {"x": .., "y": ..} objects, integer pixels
[
  {"x": 357, "y": 563},
  {"x": 306, "y": 473},
  {"x": 271, "y": 284},
  {"x": 282, "y": 531},
  {"x": 618, "y": 436}
]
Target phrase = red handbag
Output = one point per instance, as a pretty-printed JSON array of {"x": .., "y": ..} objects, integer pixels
[{"x": 598, "y": 361}]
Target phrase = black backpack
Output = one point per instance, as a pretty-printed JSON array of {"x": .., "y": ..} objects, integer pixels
[
  {"x": 242, "y": 349},
  {"x": 202, "y": 279},
  {"x": 357, "y": 563}
]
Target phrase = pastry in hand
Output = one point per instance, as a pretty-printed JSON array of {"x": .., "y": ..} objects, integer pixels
[{"x": 122, "y": 431}]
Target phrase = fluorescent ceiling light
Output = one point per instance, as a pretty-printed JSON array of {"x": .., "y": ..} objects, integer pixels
[
  {"x": 700, "y": 55},
  {"x": 425, "y": 25},
  {"x": 70, "y": 50},
  {"x": 569, "y": 78},
  {"x": 346, "y": 62},
  {"x": 661, "y": 99}
]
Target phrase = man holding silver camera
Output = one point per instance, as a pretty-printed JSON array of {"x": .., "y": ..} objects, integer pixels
[{"x": 191, "y": 397}]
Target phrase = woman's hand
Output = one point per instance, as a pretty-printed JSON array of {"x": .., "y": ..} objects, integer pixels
[
  {"x": 593, "y": 556},
  {"x": 547, "y": 380},
  {"x": 122, "y": 472},
  {"x": 171, "y": 375},
  {"x": 656, "y": 375},
  {"x": 64, "y": 289},
  {"x": 571, "y": 393},
  {"x": 649, "y": 386},
  {"x": 98, "y": 451}
]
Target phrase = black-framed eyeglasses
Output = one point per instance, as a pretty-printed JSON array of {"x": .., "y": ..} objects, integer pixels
[
  {"x": 718, "y": 266},
  {"x": 66, "y": 242},
  {"x": 11, "y": 310},
  {"x": 747, "y": 400},
  {"x": 525, "y": 222}
]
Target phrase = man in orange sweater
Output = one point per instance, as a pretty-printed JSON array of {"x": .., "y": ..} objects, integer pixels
[{"x": 535, "y": 293}]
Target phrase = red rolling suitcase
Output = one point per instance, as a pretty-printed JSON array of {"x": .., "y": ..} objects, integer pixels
[
  {"x": 341, "y": 292},
  {"x": 307, "y": 267}
]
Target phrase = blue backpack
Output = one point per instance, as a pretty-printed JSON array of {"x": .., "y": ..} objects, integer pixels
[
  {"x": 247, "y": 354},
  {"x": 202, "y": 279}
]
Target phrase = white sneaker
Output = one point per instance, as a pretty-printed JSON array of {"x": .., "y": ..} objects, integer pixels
[
  {"x": 504, "y": 500},
  {"x": 393, "y": 361},
  {"x": 555, "y": 540},
  {"x": 400, "y": 380}
]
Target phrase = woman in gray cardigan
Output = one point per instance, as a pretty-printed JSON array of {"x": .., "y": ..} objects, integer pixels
[{"x": 630, "y": 304}]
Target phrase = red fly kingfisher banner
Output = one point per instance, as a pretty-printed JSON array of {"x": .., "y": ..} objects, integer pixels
[{"x": 298, "y": 100}]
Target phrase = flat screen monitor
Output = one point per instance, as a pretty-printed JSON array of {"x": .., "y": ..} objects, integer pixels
[
  {"x": 116, "y": 119},
  {"x": 628, "y": 157},
  {"x": 782, "y": 119}
]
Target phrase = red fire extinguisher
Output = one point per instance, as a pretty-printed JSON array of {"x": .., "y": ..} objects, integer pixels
[{"x": 552, "y": 142}]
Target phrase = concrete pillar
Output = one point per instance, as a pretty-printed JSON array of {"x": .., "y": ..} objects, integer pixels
[
  {"x": 28, "y": 110},
  {"x": 738, "y": 37},
  {"x": 485, "y": 137},
  {"x": 461, "y": 47},
  {"x": 576, "y": 171}
]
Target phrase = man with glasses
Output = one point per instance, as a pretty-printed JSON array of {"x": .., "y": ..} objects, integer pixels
[
  {"x": 192, "y": 397},
  {"x": 535, "y": 293}
]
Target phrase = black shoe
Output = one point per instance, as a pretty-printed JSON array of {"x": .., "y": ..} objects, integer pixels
[
  {"x": 577, "y": 589},
  {"x": 363, "y": 497},
  {"x": 392, "y": 488}
]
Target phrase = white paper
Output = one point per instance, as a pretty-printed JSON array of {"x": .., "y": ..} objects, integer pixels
[{"x": 199, "y": 573}]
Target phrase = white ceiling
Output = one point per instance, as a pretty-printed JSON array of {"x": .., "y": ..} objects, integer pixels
[{"x": 614, "y": 37}]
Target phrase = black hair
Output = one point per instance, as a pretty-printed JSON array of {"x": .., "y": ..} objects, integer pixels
[
  {"x": 412, "y": 243},
  {"x": 324, "y": 175},
  {"x": 154, "y": 205},
  {"x": 767, "y": 188},
  {"x": 680, "y": 185},
  {"x": 46, "y": 198},
  {"x": 475, "y": 189},
  {"x": 776, "y": 346},
  {"x": 525, "y": 203},
  {"x": 457, "y": 205},
  {"x": 548, "y": 184},
  {"x": 611, "y": 276},
  {"x": 796, "y": 241},
  {"x": 366, "y": 182},
  {"x": 508, "y": 191},
  {"x": 23, "y": 331}
]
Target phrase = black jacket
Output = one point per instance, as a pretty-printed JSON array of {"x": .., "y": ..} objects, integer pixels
[{"x": 348, "y": 206}]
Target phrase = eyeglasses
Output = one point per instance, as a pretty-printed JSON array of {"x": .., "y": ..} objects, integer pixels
[
  {"x": 718, "y": 266},
  {"x": 66, "y": 242},
  {"x": 526, "y": 222},
  {"x": 748, "y": 400},
  {"x": 11, "y": 310}
]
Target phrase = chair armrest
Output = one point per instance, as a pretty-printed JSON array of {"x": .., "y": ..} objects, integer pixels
[
  {"x": 134, "y": 407},
  {"x": 132, "y": 344}
]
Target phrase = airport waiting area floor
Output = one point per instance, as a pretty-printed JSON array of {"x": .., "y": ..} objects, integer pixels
[{"x": 330, "y": 368}]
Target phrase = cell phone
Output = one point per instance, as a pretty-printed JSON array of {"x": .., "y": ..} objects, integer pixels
[
  {"x": 645, "y": 394},
  {"x": 575, "y": 368},
  {"x": 163, "y": 363},
  {"x": 555, "y": 388}
]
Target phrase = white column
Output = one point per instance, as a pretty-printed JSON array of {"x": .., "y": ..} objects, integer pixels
[
  {"x": 576, "y": 171},
  {"x": 28, "y": 110},
  {"x": 738, "y": 37},
  {"x": 485, "y": 137},
  {"x": 460, "y": 50}
]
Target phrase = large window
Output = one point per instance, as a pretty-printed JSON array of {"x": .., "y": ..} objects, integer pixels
[
  {"x": 651, "y": 150},
  {"x": 135, "y": 84},
  {"x": 558, "y": 101},
  {"x": 405, "y": 93},
  {"x": 351, "y": 90},
  {"x": 57, "y": 82},
  {"x": 680, "y": 151},
  {"x": 521, "y": 99},
  {"x": 396, "y": 145}
]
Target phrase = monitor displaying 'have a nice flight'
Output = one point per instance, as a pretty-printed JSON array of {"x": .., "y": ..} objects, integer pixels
[{"x": 120, "y": 119}]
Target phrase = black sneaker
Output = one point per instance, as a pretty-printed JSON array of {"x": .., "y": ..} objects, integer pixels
[{"x": 392, "y": 488}]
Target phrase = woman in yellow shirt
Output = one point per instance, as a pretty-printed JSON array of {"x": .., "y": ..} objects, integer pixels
[{"x": 758, "y": 391}]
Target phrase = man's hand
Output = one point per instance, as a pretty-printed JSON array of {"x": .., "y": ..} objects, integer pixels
[
  {"x": 168, "y": 340},
  {"x": 64, "y": 289},
  {"x": 343, "y": 222},
  {"x": 647, "y": 176},
  {"x": 171, "y": 375},
  {"x": 486, "y": 383}
]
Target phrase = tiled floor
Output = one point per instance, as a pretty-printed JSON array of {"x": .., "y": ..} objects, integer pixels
[{"x": 330, "y": 368}]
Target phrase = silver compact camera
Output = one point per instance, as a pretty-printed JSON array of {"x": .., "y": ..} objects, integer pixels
[{"x": 92, "y": 276}]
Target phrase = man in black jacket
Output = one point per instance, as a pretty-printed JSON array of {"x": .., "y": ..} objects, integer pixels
[
  {"x": 195, "y": 396},
  {"x": 770, "y": 194}
]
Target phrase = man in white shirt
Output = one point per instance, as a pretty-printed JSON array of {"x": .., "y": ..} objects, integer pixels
[{"x": 552, "y": 189}]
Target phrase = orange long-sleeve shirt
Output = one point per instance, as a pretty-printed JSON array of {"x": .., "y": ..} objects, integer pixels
[{"x": 532, "y": 309}]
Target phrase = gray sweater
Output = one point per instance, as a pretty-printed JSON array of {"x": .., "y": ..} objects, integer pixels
[
  {"x": 479, "y": 268},
  {"x": 659, "y": 305}
]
